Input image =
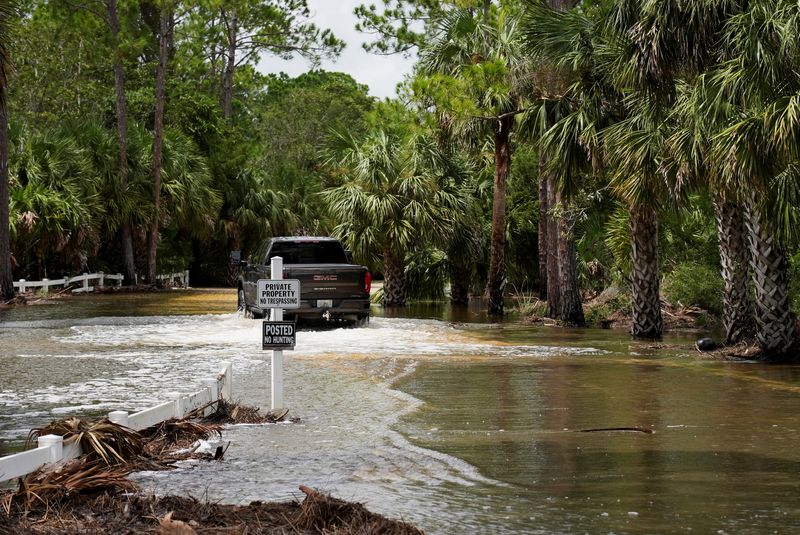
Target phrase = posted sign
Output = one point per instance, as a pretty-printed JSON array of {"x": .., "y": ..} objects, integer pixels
[
  {"x": 284, "y": 293},
  {"x": 278, "y": 335}
]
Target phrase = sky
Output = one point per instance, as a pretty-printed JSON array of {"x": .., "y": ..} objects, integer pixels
[{"x": 380, "y": 73}]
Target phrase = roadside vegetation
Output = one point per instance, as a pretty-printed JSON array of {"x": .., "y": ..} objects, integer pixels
[{"x": 606, "y": 157}]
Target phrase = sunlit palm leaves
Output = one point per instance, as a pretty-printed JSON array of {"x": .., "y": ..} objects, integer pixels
[{"x": 394, "y": 198}]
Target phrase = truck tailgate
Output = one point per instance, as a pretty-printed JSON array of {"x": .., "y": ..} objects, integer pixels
[{"x": 325, "y": 281}]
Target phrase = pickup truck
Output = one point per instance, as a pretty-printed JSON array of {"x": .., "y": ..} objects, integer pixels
[{"x": 332, "y": 288}]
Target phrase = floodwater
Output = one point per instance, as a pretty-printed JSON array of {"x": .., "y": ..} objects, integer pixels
[{"x": 433, "y": 416}]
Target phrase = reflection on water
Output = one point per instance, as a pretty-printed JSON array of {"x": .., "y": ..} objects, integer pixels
[{"x": 433, "y": 416}]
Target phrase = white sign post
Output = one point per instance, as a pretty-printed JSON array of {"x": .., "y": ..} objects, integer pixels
[
  {"x": 277, "y": 294},
  {"x": 276, "y": 314}
]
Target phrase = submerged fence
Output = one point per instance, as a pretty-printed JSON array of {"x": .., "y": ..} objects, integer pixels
[
  {"x": 22, "y": 285},
  {"x": 51, "y": 448}
]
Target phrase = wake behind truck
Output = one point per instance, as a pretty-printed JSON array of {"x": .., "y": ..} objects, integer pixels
[{"x": 332, "y": 288}]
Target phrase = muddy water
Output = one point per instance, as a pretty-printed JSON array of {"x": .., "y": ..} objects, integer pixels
[{"x": 454, "y": 424}]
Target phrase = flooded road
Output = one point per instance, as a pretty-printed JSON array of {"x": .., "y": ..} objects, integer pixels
[{"x": 437, "y": 418}]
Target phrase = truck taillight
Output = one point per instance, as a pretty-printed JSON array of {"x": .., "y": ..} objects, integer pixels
[{"x": 367, "y": 282}]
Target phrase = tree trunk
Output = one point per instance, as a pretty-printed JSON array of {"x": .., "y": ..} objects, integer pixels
[
  {"x": 126, "y": 233},
  {"x": 6, "y": 278},
  {"x": 502, "y": 166},
  {"x": 553, "y": 277},
  {"x": 230, "y": 66},
  {"x": 158, "y": 142},
  {"x": 775, "y": 327},
  {"x": 647, "y": 321},
  {"x": 734, "y": 263},
  {"x": 394, "y": 278},
  {"x": 459, "y": 285},
  {"x": 571, "y": 311},
  {"x": 541, "y": 237}
]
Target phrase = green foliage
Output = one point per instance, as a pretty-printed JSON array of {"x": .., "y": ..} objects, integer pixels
[
  {"x": 614, "y": 299},
  {"x": 692, "y": 284},
  {"x": 522, "y": 220},
  {"x": 426, "y": 274}
]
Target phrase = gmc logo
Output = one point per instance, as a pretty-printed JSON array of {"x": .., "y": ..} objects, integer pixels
[{"x": 325, "y": 277}]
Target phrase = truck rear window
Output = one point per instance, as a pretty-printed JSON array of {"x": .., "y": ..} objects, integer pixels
[{"x": 323, "y": 252}]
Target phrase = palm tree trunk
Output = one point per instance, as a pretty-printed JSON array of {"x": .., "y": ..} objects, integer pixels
[
  {"x": 734, "y": 263},
  {"x": 394, "y": 278},
  {"x": 6, "y": 278},
  {"x": 647, "y": 321},
  {"x": 553, "y": 276},
  {"x": 126, "y": 233},
  {"x": 230, "y": 66},
  {"x": 459, "y": 285},
  {"x": 569, "y": 292},
  {"x": 497, "y": 263},
  {"x": 775, "y": 328},
  {"x": 541, "y": 237},
  {"x": 158, "y": 142}
]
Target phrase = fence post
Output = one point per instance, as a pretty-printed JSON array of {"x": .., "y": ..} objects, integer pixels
[
  {"x": 180, "y": 406},
  {"x": 46, "y": 286},
  {"x": 22, "y": 286},
  {"x": 213, "y": 388},
  {"x": 226, "y": 375},
  {"x": 102, "y": 281},
  {"x": 86, "y": 282},
  {"x": 186, "y": 279},
  {"x": 56, "y": 445},
  {"x": 119, "y": 418},
  {"x": 119, "y": 280}
]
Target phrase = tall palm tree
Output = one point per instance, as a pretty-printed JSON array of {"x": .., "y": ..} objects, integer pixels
[
  {"x": 389, "y": 202},
  {"x": 474, "y": 68},
  {"x": 7, "y": 14}
]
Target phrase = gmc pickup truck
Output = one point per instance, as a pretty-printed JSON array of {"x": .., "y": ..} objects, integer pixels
[{"x": 332, "y": 289}]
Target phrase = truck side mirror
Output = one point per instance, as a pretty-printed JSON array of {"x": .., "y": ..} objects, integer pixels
[
  {"x": 349, "y": 256},
  {"x": 236, "y": 258}
]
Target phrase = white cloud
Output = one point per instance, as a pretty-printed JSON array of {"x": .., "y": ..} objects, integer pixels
[{"x": 380, "y": 73}]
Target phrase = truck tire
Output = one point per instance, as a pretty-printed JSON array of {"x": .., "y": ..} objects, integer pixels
[
  {"x": 240, "y": 306},
  {"x": 362, "y": 321}
]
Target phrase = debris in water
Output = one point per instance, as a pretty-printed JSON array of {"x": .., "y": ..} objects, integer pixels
[{"x": 621, "y": 429}]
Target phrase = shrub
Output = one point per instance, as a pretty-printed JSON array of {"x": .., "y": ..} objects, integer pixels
[{"x": 692, "y": 284}]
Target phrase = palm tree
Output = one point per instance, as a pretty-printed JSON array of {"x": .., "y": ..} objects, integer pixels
[
  {"x": 474, "y": 69},
  {"x": 56, "y": 202},
  {"x": 7, "y": 13},
  {"x": 758, "y": 151},
  {"x": 389, "y": 203},
  {"x": 696, "y": 117}
]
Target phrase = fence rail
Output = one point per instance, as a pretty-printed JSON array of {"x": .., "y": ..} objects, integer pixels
[{"x": 51, "y": 448}]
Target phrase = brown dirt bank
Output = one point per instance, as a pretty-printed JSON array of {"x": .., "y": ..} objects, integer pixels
[{"x": 318, "y": 513}]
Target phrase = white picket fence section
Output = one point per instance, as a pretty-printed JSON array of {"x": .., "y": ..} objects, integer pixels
[
  {"x": 51, "y": 448},
  {"x": 22, "y": 285},
  {"x": 181, "y": 278},
  {"x": 45, "y": 284}
]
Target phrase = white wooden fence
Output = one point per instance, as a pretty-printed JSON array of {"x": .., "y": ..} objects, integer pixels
[
  {"x": 45, "y": 284},
  {"x": 22, "y": 285},
  {"x": 182, "y": 278},
  {"x": 51, "y": 448}
]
